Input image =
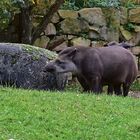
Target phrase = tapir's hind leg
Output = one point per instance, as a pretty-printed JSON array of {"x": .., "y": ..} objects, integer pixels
[
  {"x": 117, "y": 89},
  {"x": 96, "y": 85},
  {"x": 110, "y": 89},
  {"x": 126, "y": 88}
]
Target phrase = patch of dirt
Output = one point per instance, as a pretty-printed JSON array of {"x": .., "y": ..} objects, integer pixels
[{"x": 135, "y": 94}]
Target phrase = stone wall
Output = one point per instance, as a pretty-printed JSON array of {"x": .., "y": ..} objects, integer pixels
[
  {"x": 91, "y": 27},
  {"x": 88, "y": 27}
]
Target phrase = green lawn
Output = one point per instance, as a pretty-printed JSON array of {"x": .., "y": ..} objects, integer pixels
[{"x": 41, "y": 115}]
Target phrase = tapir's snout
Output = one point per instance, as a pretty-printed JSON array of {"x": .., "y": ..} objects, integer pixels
[{"x": 49, "y": 68}]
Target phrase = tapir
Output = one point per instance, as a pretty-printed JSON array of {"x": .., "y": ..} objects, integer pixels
[
  {"x": 96, "y": 67},
  {"x": 125, "y": 45}
]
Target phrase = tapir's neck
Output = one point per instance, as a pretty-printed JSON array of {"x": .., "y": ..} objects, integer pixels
[{"x": 78, "y": 63}]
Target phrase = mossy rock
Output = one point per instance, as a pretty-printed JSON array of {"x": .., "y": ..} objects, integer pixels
[
  {"x": 73, "y": 26},
  {"x": 23, "y": 65}
]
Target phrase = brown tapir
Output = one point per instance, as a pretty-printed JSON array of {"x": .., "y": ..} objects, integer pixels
[
  {"x": 95, "y": 67},
  {"x": 125, "y": 45}
]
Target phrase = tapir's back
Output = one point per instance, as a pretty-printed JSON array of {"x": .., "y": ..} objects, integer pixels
[
  {"x": 118, "y": 63},
  {"x": 112, "y": 62}
]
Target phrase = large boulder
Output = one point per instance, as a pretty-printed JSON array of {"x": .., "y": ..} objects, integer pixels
[{"x": 23, "y": 66}]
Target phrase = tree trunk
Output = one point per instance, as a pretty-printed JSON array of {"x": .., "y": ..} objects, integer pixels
[
  {"x": 46, "y": 20},
  {"x": 26, "y": 26}
]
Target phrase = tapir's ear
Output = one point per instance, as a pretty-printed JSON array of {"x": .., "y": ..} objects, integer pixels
[{"x": 72, "y": 53}]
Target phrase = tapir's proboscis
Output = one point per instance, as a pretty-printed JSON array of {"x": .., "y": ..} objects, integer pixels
[{"x": 96, "y": 67}]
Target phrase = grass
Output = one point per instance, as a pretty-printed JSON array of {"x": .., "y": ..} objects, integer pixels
[
  {"x": 135, "y": 86},
  {"x": 44, "y": 115}
]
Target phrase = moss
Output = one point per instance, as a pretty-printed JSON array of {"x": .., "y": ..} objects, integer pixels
[
  {"x": 112, "y": 17},
  {"x": 30, "y": 49},
  {"x": 51, "y": 55},
  {"x": 36, "y": 57},
  {"x": 37, "y": 52},
  {"x": 129, "y": 27},
  {"x": 33, "y": 50}
]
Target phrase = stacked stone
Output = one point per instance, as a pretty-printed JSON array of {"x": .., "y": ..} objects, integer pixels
[{"x": 91, "y": 27}]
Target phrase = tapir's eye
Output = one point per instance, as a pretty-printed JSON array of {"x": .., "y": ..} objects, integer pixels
[{"x": 59, "y": 62}]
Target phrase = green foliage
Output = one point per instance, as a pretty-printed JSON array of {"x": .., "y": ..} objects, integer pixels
[
  {"x": 136, "y": 86},
  {"x": 130, "y": 4},
  {"x": 70, "y": 5},
  {"x": 8, "y": 8},
  {"x": 42, "y": 115},
  {"x": 78, "y": 4},
  {"x": 4, "y": 13},
  {"x": 129, "y": 26}
]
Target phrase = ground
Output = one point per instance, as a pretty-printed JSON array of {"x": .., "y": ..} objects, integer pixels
[{"x": 135, "y": 94}]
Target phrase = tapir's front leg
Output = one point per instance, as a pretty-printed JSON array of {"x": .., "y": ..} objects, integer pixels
[
  {"x": 96, "y": 85},
  {"x": 83, "y": 82}
]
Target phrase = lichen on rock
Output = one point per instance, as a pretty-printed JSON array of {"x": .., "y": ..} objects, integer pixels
[{"x": 23, "y": 65}]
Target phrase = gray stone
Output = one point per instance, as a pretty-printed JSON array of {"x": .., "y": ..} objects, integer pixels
[
  {"x": 109, "y": 34},
  {"x": 71, "y": 37},
  {"x": 135, "y": 39},
  {"x": 94, "y": 16},
  {"x": 98, "y": 43},
  {"x": 50, "y": 30},
  {"x": 56, "y": 41},
  {"x": 136, "y": 50},
  {"x": 73, "y": 26},
  {"x": 134, "y": 15},
  {"x": 94, "y": 33},
  {"x": 137, "y": 28},
  {"x": 60, "y": 47},
  {"x": 68, "y": 14},
  {"x": 55, "y": 18},
  {"x": 42, "y": 41},
  {"x": 123, "y": 15},
  {"x": 23, "y": 66},
  {"x": 80, "y": 42},
  {"x": 94, "y": 28},
  {"x": 112, "y": 16},
  {"x": 126, "y": 34}
]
